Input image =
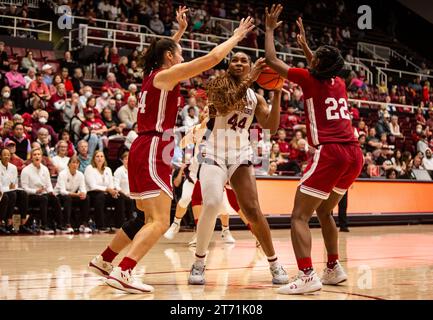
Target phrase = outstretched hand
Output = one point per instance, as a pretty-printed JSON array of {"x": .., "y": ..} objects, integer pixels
[
  {"x": 272, "y": 16},
  {"x": 245, "y": 26},
  {"x": 181, "y": 17},
  {"x": 301, "y": 37},
  {"x": 257, "y": 68}
]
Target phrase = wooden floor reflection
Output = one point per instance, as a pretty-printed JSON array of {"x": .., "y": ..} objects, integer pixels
[{"x": 382, "y": 263}]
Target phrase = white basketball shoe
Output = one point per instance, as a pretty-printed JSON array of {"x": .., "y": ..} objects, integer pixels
[
  {"x": 123, "y": 280},
  {"x": 100, "y": 267},
  {"x": 302, "y": 283},
  {"x": 172, "y": 231},
  {"x": 196, "y": 276},
  {"x": 335, "y": 275}
]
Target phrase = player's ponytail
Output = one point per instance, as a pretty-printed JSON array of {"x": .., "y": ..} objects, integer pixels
[
  {"x": 154, "y": 56},
  {"x": 331, "y": 63}
]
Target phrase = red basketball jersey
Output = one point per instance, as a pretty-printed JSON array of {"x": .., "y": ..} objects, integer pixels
[
  {"x": 157, "y": 109},
  {"x": 326, "y": 108}
]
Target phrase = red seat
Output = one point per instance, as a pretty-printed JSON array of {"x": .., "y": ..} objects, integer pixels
[
  {"x": 115, "y": 147},
  {"x": 19, "y": 52},
  {"x": 48, "y": 55},
  {"x": 37, "y": 54}
]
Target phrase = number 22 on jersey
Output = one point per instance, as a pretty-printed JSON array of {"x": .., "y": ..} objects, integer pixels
[{"x": 332, "y": 112}]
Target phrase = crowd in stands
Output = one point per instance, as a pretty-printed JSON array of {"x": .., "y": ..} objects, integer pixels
[{"x": 61, "y": 138}]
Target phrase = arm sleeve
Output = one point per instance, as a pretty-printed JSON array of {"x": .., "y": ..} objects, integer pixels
[
  {"x": 298, "y": 75},
  {"x": 61, "y": 185},
  {"x": 116, "y": 179},
  {"x": 25, "y": 182},
  {"x": 110, "y": 178},
  {"x": 48, "y": 181},
  {"x": 82, "y": 183}
]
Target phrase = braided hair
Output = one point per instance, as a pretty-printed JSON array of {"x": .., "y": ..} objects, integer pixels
[
  {"x": 154, "y": 56},
  {"x": 226, "y": 93},
  {"x": 331, "y": 62}
]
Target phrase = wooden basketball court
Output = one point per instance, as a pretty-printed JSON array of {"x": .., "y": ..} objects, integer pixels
[{"x": 382, "y": 263}]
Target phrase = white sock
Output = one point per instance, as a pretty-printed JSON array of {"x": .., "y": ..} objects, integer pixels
[
  {"x": 177, "y": 220},
  {"x": 225, "y": 228},
  {"x": 273, "y": 261},
  {"x": 200, "y": 260}
]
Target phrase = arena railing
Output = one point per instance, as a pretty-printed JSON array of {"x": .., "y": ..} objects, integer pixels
[
  {"x": 383, "y": 53},
  {"x": 231, "y": 25},
  {"x": 84, "y": 33},
  {"x": 110, "y": 24},
  {"x": 363, "y": 103},
  {"x": 382, "y": 75},
  {"x": 38, "y": 24},
  {"x": 372, "y": 62},
  {"x": 31, "y": 3}
]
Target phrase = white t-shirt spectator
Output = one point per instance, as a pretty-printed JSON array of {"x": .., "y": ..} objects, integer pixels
[
  {"x": 95, "y": 181},
  {"x": 7, "y": 176},
  {"x": 61, "y": 163},
  {"x": 121, "y": 181},
  {"x": 68, "y": 183},
  {"x": 427, "y": 163},
  {"x": 33, "y": 179}
]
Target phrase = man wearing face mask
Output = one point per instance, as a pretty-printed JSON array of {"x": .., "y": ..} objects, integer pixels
[
  {"x": 128, "y": 113},
  {"x": 42, "y": 117},
  {"x": 102, "y": 101},
  {"x": 119, "y": 98},
  {"x": 86, "y": 94},
  {"x": 5, "y": 94}
]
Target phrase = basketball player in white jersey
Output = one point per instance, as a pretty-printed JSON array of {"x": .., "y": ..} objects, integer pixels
[
  {"x": 233, "y": 106},
  {"x": 195, "y": 136}
]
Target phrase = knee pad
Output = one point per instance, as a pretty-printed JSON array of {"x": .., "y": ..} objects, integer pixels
[{"x": 132, "y": 226}]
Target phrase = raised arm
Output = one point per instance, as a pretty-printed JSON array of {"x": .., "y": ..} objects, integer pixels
[
  {"x": 182, "y": 21},
  {"x": 302, "y": 41},
  {"x": 167, "y": 79},
  {"x": 271, "y": 55},
  {"x": 269, "y": 119}
]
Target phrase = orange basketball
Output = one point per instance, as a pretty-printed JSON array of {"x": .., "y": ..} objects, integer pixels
[{"x": 269, "y": 79}]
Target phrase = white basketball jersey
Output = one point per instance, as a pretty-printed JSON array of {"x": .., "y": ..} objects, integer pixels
[{"x": 229, "y": 135}]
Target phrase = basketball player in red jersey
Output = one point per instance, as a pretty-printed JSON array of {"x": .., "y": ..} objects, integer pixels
[
  {"x": 149, "y": 164},
  {"x": 338, "y": 159}
]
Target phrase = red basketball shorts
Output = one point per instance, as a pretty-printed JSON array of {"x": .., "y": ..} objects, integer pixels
[
  {"x": 334, "y": 167},
  {"x": 148, "y": 171},
  {"x": 231, "y": 196},
  {"x": 196, "y": 198}
]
